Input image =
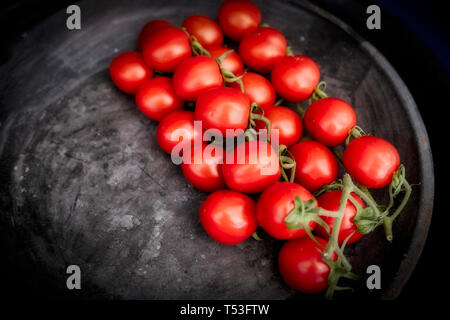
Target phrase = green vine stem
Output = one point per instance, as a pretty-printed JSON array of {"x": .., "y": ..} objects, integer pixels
[
  {"x": 300, "y": 109},
  {"x": 287, "y": 162},
  {"x": 258, "y": 116},
  {"x": 227, "y": 75},
  {"x": 356, "y": 132},
  {"x": 319, "y": 92}
]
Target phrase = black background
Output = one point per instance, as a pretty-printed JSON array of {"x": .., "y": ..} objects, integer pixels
[{"x": 413, "y": 35}]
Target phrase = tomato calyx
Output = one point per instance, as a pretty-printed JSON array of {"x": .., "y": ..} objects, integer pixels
[
  {"x": 319, "y": 92},
  {"x": 356, "y": 132},
  {"x": 227, "y": 75}
]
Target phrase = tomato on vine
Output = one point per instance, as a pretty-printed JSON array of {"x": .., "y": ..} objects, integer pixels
[
  {"x": 204, "y": 29},
  {"x": 228, "y": 216},
  {"x": 275, "y": 204},
  {"x": 371, "y": 161},
  {"x": 149, "y": 28},
  {"x": 257, "y": 88},
  {"x": 238, "y": 17},
  {"x": 128, "y": 71},
  {"x": 316, "y": 165},
  {"x": 156, "y": 98}
]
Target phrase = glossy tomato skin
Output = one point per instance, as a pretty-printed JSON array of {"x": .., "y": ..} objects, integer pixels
[
  {"x": 156, "y": 98},
  {"x": 177, "y": 127},
  {"x": 371, "y": 161},
  {"x": 316, "y": 165},
  {"x": 262, "y": 48},
  {"x": 206, "y": 175},
  {"x": 251, "y": 167},
  {"x": 148, "y": 30},
  {"x": 238, "y": 17},
  {"x": 223, "y": 108},
  {"x": 275, "y": 204},
  {"x": 196, "y": 75},
  {"x": 330, "y": 201},
  {"x": 205, "y": 30},
  {"x": 257, "y": 88},
  {"x": 302, "y": 267},
  {"x": 295, "y": 77},
  {"x": 166, "y": 48},
  {"x": 228, "y": 217},
  {"x": 232, "y": 61},
  {"x": 330, "y": 120},
  {"x": 128, "y": 71},
  {"x": 286, "y": 121}
]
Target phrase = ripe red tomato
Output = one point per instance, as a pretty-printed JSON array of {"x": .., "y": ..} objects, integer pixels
[
  {"x": 275, "y": 204},
  {"x": 223, "y": 108},
  {"x": 251, "y": 167},
  {"x": 316, "y": 165},
  {"x": 232, "y": 61},
  {"x": 128, "y": 71},
  {"x": 166, "y": 48},
  {"x": 156, "y": 98},
  {"x": 238, "y": 17},
  {"x": 302, "y": 267},
  {"x": 330, "y": 120},
  {"x": 295, "y": 77},
  {"x": 257, "y": 88},
  {"x": 330, "y": 201},
  {"x": 207, "y": 174},
  {"x": 371, "y": 161},
  {"x": 177, "y": 127},
  {"x": 148, "y": 30},
  {"x": 205, "y": 29},
  {"x": 195, "y": 75},
  {"x": 262, "y": 48},
  {"x": 287, "y": 122},
  {"x": 228, "y": 216}
]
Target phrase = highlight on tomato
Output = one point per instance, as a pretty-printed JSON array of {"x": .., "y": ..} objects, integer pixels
[
  {"x": 316, "y": 165},
  {"x": 148, "y": 29},
  {"x": 330, "y": 201},
  {"x": 166, "y": 48},
  {"x": 295, "y": 77},
  {"x": 223, "y": 108},
  {"x": 329, "y": 121},
  {"x": 302, "y": 267},
  {"x": 204, "y": 29},
  {"x": 205, "y": 173},
  {"x": 178, "y": 129},
  {"x": 196, "y": 75},
  {"x": 228, "y": 216},
  {"x": 251, "y": 167},
  {"x": 232, "y": 61},
  {"x": 275, "y": 204},
  {"x": 156, "y": 98},
  {"x": 286, "y": 121},
  {"x": 238, "y": 18},
  {"x": 257, "y": 88},
  {"x": 262, "y": 48},
  {"x": 128, "y": 71},
  {"x": 371, "y": 161}
]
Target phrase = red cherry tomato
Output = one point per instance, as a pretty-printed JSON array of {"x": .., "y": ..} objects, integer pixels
[
  {"x": 275, "y": 204},
  {"x": 166, "y": 48},
  {"x": 228, "y": 216},
  {"x": 232, "y": 61},
  {"x": 302, "y": 267},
  {"x": 257, "y": 88},
  {"x": 238, "y": 17},
  {"x": 330, "y": 120},
  {"x": 177, "y": 127},
  {"x": 295, "y": 77},
  {"x": 148, "y": 30},
  {"x": 195, "y": 75},
  {"x": 371, "y": 161},
  {"x": 253, "y": 168},
  {"x": 330, "y": 201},
  {"x": 128, "y": 71},
  {"x": 206, "y": 175},
  {"x": 262, "y": 48},
  {"x": 316, "y": 165},
  {"x": 287, "y": 122},
  {"x": 156, "y": 98},
  {"x": 205, "y": 29},
  {"x": 223, "y": 108}
]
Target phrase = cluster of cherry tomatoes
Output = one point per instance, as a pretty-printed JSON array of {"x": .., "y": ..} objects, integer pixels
[{"x": 174, "y": 65}]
